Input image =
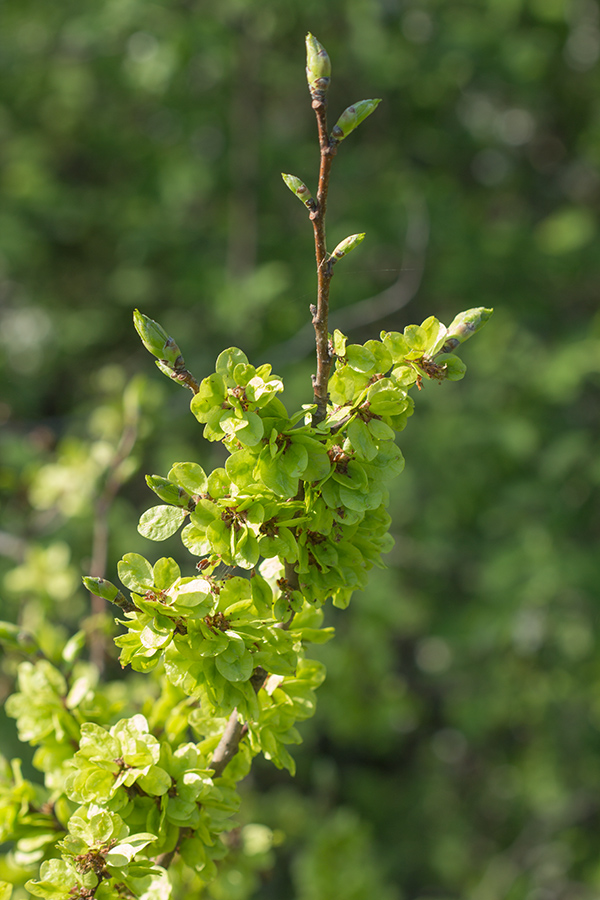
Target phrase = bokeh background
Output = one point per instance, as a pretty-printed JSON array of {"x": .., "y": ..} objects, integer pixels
[{"x": 455, "y": 754}]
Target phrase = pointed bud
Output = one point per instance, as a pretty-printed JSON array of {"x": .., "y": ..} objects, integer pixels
[
  {"x": 318, "y": 68},
  {"x": 345, "y": 246},
  {"x": 100, "y": 587},
  {"x": 352, "y": 117},
  {"x": 168, "y": 492},
  {"x": 464, "y": 325},
  {"x": 298, "y": 188},
  {"x": 156, "y": 340}
]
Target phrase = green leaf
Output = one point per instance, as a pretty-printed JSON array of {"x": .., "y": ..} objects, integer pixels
[
  {"x": 193, "y": 853},
  {"x": 262, "y": 594},
  {"x": 240, "y": 467},
  {"x": 383, "y": 357},
  {"x": 353, "y": 476},
  {"x": 57, "y": 880},
  {"x": 190, "y": 476},
  {"x": 360, "y": 359},
  {"x": 316, "y": 635},
  {"x": 360, "y": 438},
  {"x": 161, "y": 522},
  {"x": 5, "y": 890},
  {"x": 248, "y": 428},
  {"x": 165, "y": 573},
  {"x": 96, "y": 743},
  {"x": 275, "y": 477},
  {"x": 294, "y": 459},
  {"x": 385, "y": 398},
  {"x": 135, "y": 572},
  {"x": 157, "y": 633},
  {"x": 234, "y": 590},
  {"x": 122, "y": 854},
  {"x": 195, "y": 540},
  {"x": 396, "y": 344},
  {"x": 246, "y": 549},
  {"x": 379, "y": 430},
  {"x": 219, "y": 484},
  {"x": 235, "y": 669},
  {"x": 455, "y": 368},
  {"x": 210, "y": 396},
  {"x": 156, "y": 781},
  {"x": 243, "y": 373},
  {"x": 192, "y": 594},
  {"x": 228, "y": 360}
]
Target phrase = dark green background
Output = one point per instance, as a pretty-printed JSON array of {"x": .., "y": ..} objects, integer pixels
[{"x": 456, "y": 750}]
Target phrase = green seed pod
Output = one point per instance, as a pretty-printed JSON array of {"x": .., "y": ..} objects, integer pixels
[
  {"x": 100, "y": 587},
  {"x": 351, "y": 118},
  {"x": 156, "y": 340},
  {"x": 464, "y": 325},
  {"x": 318, "y": 67},
  {"x": 345, "y": 246},
  {"x": 167, "y": 491},
  {"x": 298, "y": 188}
]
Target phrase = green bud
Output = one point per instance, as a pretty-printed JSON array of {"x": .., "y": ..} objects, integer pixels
[
  {"x": 318, "y": 67},
  {"x": 345, "y": 246},
  {"x": 167, "y": 491},
  {"x": 100, "y": 587},
  {"x": 298, "y": 188},
  {"x": 156, "y": 340},
  {"x": 352, "y": 117},
  {"x": 464, "y": 325}
]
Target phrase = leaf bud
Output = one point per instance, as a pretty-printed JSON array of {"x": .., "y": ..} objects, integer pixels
[
  {"x": 346, "y": 246},
  {"x": 351, "y": 118},
  {"x": 100, "y": 587},
  {"x": 318, "y": 67},
  {"x": 464, "y": 325},
  {"x": 156, "y": 340},
  {"x": 298, "y": 188}
]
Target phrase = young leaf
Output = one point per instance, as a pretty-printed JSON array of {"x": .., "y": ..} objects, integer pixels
[
  {"x": 160, "y": 522},
  {"x": 135, "y": 572}
]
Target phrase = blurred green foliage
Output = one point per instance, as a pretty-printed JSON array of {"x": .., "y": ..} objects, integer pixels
[{"x": 455, "y": 749}]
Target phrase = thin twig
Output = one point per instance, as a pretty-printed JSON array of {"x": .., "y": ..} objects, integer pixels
[
  {"x": 324, "y": 272},
  {"x": 379, "y": 306}
]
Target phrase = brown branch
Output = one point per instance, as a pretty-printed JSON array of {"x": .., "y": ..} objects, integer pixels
[
  {"x": 229, "y": 743},
  {"x": 320, "y": 312},
  {"x": 186, "y": 378},
  {"x": 236, "y": 730}
]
